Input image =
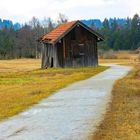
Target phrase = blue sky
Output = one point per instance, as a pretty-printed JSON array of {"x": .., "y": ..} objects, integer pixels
[{"x": 22, "y": 11}]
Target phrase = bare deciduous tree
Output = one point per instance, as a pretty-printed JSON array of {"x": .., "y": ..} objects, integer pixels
[{"x": 62, "y": 19}]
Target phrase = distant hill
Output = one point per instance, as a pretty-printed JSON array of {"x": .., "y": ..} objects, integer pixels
[
  {"x": 98, "y": 23},
  {"x": 91, "y": 22},
  {"x": 9, "y": 24}
]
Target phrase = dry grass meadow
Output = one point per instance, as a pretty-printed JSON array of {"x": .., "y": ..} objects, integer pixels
[
  {"x": 23, "y": 83},
  {"x": 17, "y": 65}
]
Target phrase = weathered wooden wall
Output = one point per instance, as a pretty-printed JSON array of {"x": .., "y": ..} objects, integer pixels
[
  {"x": 79, "y": 49},
  {"x": 49, "y": 56}
]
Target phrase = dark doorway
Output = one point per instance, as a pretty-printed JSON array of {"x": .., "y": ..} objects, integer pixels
[{"x": 51, "y": 62}]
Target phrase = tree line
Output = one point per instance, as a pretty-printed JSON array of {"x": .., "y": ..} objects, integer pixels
[
  {"x": 22, "y": 43},
  {"x": 121, "y": 37}
]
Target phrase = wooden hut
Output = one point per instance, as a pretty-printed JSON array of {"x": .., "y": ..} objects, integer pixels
[{"x": 70, "y": 45}]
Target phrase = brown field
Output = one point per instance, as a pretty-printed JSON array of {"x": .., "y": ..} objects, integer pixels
[
  {"x": 118, "y": 61},
  {"x": 23, "y": 84},
  {"x": 122, "y": 120},
  {"x": 17, "y": 65},
  {"x": 126, "y": 57},
  {"x": 131, "y": 55}
]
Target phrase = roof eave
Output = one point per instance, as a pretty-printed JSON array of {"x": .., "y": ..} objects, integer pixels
[{"x": 93, "y": 31}]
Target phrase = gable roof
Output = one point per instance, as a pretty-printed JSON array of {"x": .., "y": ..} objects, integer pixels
[{"x": 60, "y": 31}]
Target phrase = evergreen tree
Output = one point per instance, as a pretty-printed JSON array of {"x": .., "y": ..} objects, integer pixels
[{"x": 106, "y": 24}]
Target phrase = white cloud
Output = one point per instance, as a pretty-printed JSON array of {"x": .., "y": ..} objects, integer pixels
[{"x": 75, "y": 9}]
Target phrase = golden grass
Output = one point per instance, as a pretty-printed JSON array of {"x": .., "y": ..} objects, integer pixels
[
  {"x": 115, "y": 61},
  {"x": 122, "y": 120},
  {"x": 128, "y": 62},
  {"x": 16, "y": 65},
  {"x": 20, "y": 89},
  {"x": 126, "y": 55}
]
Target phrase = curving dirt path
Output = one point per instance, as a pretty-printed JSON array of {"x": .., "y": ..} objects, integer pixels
[{"x": 73, "y": 113}]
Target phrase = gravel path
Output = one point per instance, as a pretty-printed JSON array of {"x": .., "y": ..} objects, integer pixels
[{"x": 73, "y": 113}]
